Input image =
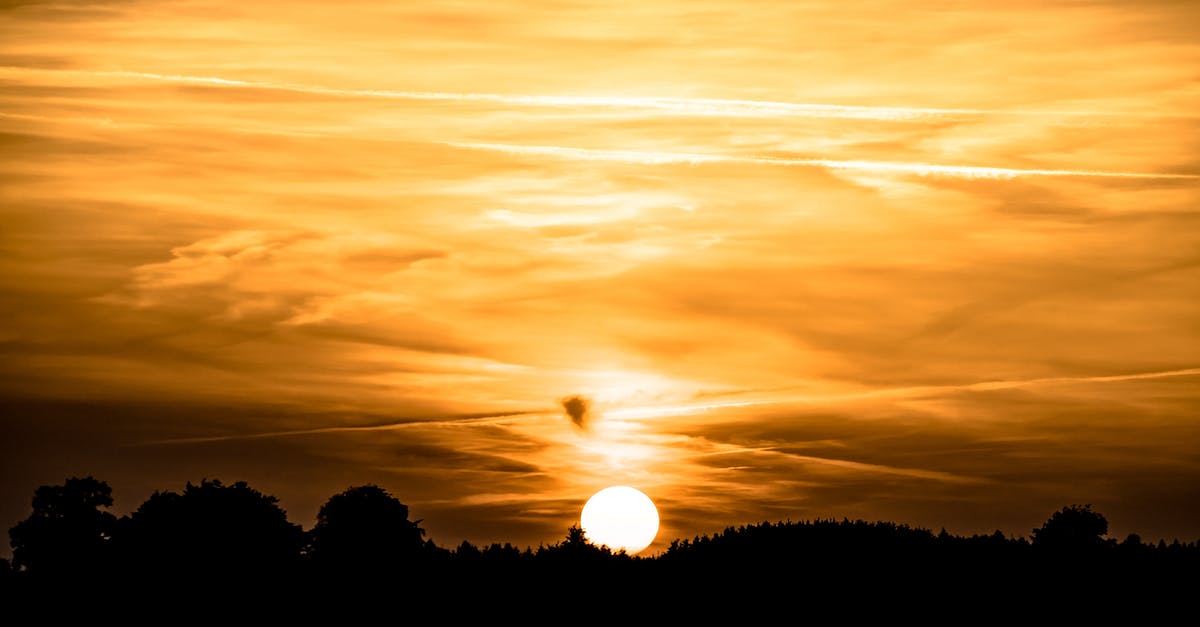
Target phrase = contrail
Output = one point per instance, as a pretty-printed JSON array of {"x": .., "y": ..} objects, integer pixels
[
  {"x": 487, "y": 419},
  {"x": 919, "y": 473},
  {"x": 634, "y": 413},
  {"x": 1004, "y": 384},
  {"x": 999, "y": 385},
  {"x": 704, "y": 107},
  {"x": 880, "y": 167}
]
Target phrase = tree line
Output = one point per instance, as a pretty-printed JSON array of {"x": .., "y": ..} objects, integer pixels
[{"x": 364, "y": 538}]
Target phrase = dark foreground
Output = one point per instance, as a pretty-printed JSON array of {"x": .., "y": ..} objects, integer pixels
[{"x": 228, "y": 553}]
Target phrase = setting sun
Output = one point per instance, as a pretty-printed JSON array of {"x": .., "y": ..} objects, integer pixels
[{"x": 621, "y": 518}]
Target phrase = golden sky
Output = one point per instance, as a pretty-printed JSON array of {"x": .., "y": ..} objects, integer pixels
[{"x": 931, "y": 262}]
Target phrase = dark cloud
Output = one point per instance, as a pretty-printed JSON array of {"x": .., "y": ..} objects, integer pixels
[{"x": 579, "y": 410}]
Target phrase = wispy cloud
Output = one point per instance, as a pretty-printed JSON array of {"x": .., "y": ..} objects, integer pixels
[
  {"x": 1003, "y": 385},
  {"x": 702, "y": 107},
  {"x": 875, "y": 167},
  {"x": 782, "y": 397},
  {"x": 459, "y": 421},
  {"x": 916, "y": 473}
]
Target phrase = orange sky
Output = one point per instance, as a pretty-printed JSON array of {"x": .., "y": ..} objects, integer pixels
[{"x": 931, "y": 262}]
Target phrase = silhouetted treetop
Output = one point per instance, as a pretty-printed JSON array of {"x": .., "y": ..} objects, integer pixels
[
  {"x": 1075, "y": 527},
  {"x": 364, "y": 528},
  {"x": 67, "y": 532},
  {"x": 212, "y": 538},
  {"x": 211, "y": 528}
]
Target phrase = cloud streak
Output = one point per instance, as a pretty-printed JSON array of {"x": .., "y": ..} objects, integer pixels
[
  {"x": 874, "y": 167},
  {"x": 469, "y": 421},
  {"x": 783, "y": 398},
  {"x": 701, "y": 107}
]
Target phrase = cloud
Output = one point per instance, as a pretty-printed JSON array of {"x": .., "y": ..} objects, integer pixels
[
  {"x": 702, "y": 107},
  {"x": 579, "y": 410},
  {"x": 878, "y": 167}
]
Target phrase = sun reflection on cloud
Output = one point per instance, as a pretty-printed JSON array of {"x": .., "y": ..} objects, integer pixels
[{"x": 617, "y": 388}]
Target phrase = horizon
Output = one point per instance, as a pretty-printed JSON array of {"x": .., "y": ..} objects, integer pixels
[
  {"x": 735, "y": 527},
  {"x": 916, "y": 262}
]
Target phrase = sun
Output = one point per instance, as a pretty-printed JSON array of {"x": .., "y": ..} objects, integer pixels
[{"x": 620, "y": 517}]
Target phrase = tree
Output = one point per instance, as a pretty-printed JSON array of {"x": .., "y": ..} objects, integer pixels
[
  {"x": 211, "y": 530},
  {"x": 1076, "y": 527},
  {"x": 364, "y": 530},
  {"x": 577, "y": 544},
  {"x": 67, "y": 533},
  {"x": 467, "y": 552},
  {"x": 575, "y": 550}
]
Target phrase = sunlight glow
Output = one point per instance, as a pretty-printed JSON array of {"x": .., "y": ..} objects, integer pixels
[{"x": 621, "y": 518}]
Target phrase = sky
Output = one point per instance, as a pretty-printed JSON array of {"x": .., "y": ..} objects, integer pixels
[{"x": 930, "y": 262}]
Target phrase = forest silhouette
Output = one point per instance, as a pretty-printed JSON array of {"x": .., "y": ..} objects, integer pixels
[{"x": 232, "y": 537}]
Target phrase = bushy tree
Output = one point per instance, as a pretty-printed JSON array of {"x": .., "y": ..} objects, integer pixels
[
  {"x": 1075, "y": 527},
  {"x": 68, "y": 531},
  {"x": 364, "y": 530},
  {"x": 211, "y": 529}
]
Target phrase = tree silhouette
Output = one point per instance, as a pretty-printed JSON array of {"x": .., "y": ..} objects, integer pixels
[
  {"x": 575, "y": 550},
  {"x": 467, "y": 552},
  {"x": 232, "y": 544},
  {"x": 210, "y": 529},
  {"x": 1073, "y": 528},
  {"x": 67, "y": 533},
  {"x": 366, "y": 531}
]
